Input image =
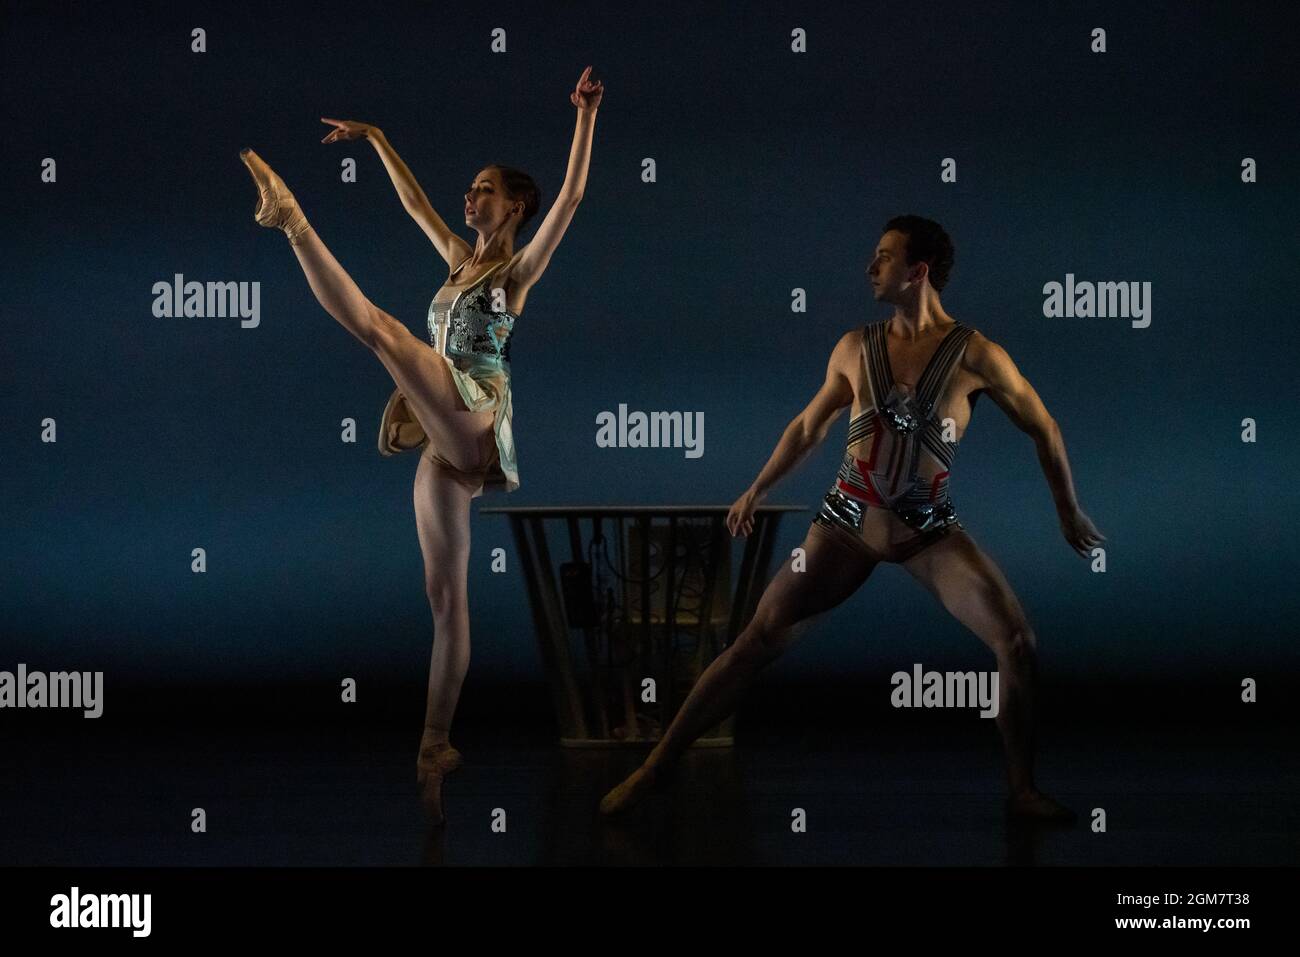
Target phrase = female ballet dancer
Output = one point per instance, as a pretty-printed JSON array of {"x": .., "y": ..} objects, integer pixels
[{"x": 454, "y": 397}]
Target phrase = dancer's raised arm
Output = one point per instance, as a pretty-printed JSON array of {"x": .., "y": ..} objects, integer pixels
[
  {"x": 534, "y": 257},
  {"x": 450, "y": 246}
]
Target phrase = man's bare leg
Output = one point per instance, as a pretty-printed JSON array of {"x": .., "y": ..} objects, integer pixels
[
  {"x": 973, "y": 589},
  {"x": 834, "y": 571}
]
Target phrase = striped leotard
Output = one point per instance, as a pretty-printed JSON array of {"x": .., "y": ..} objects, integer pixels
[{"x": 896, "y": 457}]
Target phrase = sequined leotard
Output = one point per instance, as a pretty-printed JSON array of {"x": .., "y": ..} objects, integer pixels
[
  {"x": 474, "y": 339},
  {"x": 896, "y": 456}
]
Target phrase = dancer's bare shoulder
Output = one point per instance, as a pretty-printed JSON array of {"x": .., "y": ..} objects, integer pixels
[
  {"x": 844, "y": 356},
  {"x": 455, "y": 252},
  {"x": 992, "y": 370},
  {"x": 987, "y": 362},
  {"x": 836, "y": 394}
]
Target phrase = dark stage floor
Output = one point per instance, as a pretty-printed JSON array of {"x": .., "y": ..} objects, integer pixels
[{"x": 890, "y": 789}]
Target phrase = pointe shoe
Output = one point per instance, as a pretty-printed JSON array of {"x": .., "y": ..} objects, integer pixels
[
  {"x": 276, "y": 206},
  {"x": 628, "y": 794},
  {"x": 440, "y": 759},
  {"x": 433, "y": 764},
  {"x": 1037, "y": 807}
]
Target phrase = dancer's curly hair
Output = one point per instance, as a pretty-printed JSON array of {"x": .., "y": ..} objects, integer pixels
[{"x": 926, "y": 241}]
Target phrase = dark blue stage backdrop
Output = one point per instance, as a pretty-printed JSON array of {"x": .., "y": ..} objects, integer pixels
[{"x": 775, "y": 171}]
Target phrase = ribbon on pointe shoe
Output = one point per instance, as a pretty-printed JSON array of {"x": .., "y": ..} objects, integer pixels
[{"x": 277, "y": 208}]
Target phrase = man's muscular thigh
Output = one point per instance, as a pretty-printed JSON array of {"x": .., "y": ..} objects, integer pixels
[
  {"x": 830, "y": 569},
  {"x": 971, "y": 587}
]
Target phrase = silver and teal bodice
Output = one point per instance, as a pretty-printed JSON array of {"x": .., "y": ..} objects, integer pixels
[{"x": 468, "y": 330}]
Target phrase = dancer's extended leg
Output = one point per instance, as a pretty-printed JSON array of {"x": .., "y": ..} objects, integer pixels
[
  {"x": 834, "y": 571},
  {"x": 442, "y": 520},
  {"x": 417, "y": 370},
  {"x": 973, "y": 589}
]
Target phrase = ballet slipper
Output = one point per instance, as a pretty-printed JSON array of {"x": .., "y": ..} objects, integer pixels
[
  {"x": 628, "y": 794},
  {"x": 1038, "y": 807},
  {"x": 439, "y": 759},
  {"x": 276, "y": 206}
]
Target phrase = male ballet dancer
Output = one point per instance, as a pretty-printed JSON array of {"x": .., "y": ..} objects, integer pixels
[{"x": 911, "y": 381}]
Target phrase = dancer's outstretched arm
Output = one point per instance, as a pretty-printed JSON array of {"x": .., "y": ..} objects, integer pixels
[
  {"x": 1022, "y": 405},
  {"x": 805, "y": 432},
  {"x": 534, "y": 257},
  {"x": 450, "y": 246}
]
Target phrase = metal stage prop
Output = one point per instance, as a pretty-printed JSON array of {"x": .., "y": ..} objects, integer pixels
[{"x": 643, "y": 606}]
